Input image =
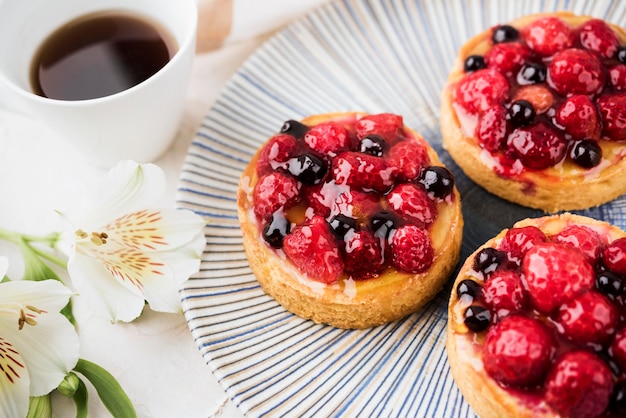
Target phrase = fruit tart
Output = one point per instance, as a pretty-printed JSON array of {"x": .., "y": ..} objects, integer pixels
[
  {"x": 349, "y": 219},
  {"x": 534, "y": 111},
  {"x": 537, "y": 321}
]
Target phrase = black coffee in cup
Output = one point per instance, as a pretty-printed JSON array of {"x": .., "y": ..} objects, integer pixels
[{"x": 98, "y": 55}]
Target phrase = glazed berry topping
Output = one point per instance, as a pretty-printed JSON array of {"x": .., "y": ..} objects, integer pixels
[
  {"x": 504, "y": 293},
  {"x": 617, "y": 404},
  {"x": 517, "y": 242},
  {"x": 488, "y": 259},
  {"x": 437, "y": 180},
  {"x": 492, "y": 129},
  {"x": 360, "y": 246},
  {"x": 328, "y": 138},
  {"x": 408, "y": 157},
  {"x": 276, "y": 229},
  {"x": 477, "y": 318},
  {"x": 577, "y": 115},
  {"x": 412, "y": 249},
  {"x": 595, "y": 35},
  {"x": 384, "y": 225},
  {"x": 612, "y": 109},
  {"x": 294, "y": 128},
  {"x": 364, "y": 172},
  {"x": 386, "y": 125},
  {"x": 480, "y": 90},
  {"x": 410, "y": 201},
  {"x": 579, "y": 385},
  {"x": 621, "y": 54},
  {"x": 548, "y": 35},
  {"x": 614, "y": 256},
  {"x": 507, "y": 58},
  {"x": 586, "y": 153},
  {"x": 342, "y": 224},
  {"x": 610, "y": 284},
  {"x": 279, "y": 149},
  {"x": 474, "y": 63},
  {"x": 308, "y": 168},
  {"x": 575, "y": 71},
  {"x": 538, "y": 146},
  {"x": 468, "y": 287},
  {"x": 618, "y": 348},
  {"x": 518, "y": 351},
  {"x": 617, "y": 77},
  {"x": 273, "y": 192},
  {"x": 521, "y": 113},
  {"x": 532, "y": 73},
  {"x": 373, "y": 145},
  {"x": 583, "y": 239},
  {"x": 504, "y": 33}
]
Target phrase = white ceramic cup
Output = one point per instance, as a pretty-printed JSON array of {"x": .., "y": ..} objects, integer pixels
[{"x": 138, "y": 123}]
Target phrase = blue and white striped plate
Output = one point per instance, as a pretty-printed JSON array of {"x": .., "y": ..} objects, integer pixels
[{"x": 366, "y": 55}]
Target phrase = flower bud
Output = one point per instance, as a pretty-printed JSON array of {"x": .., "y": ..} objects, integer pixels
[{"x": 69, "y": 385}]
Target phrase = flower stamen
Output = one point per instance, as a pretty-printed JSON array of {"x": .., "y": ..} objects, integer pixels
[{"x": 99, "y": 238}]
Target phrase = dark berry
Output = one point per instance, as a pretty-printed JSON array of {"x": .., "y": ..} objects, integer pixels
[
  {"x": 609, "y": 283},
  {"x": 308, "y": 168},
  {"x": 276, "y": 229},
  {"x": 504, "y": 33},
  {"x": 621, "y": 54},
  {"x": 468, "y": 287},
  {"x": 373, "y": 145},
  {"x": 437, "y": 180},
  {"x": 341, "y": 224},
  {"x": 383, "y": 224},
  {"x": 617, "y": 405},
  {"x": 586, "y": 153},
  {"x": 532, "y": 73},
  {"x": 474, "y": 63},
  {"x": 521, "y": 113},
  {"x": 477, "y": 318},
  {"x": 294, "y": 128},
  {"x": 488, "y": 259}
]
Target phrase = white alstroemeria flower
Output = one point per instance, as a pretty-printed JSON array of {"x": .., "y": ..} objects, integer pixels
[
  {"x": 38, "y": 345},
  {"x": 125, "y": 253}
]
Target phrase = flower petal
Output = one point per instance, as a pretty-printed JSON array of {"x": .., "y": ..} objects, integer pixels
[
  {"x": 4, "y": 266},
  {"x": 14, "y": 382}
]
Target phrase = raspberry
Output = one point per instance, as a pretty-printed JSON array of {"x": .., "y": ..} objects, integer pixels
[
  {"x": 491, "y": 129},
  {"x": 364, "y": 172},
  {"x": 548, "y": 35},
  {"x": 412, "y": 251},
  {"x": 387, "y": 125},
  {"x": 279, "y": 149},
  {"x": 507, "y": 57},
  {"x": 537, "y": 146},
  {"x": 596, "y": 35},
  {"x": 538, "y": 95},
  {"x": 363, "y": 255},
  {"x": 579, "y": 385},
  {"x": 584, "y": 239},
  {"x": 328, "y": 138},
  {"x": 612, "y": 109},
  {"x": 480, "y": 90},
  {"x": 614, "y": 256},
  {"x": 555, "y": 274},
  {"x": 274, "y": 191},
  {"x": 503, "y": 293},
  {"x": 578, "y": 116},
  {"x": 517, "y": 241},
  {"x": 311, "y": 247},
  {"x": 409, "y": 157},
  {"x": 355, "y": 204},
  {"x": 588, "y": 319},
  {"x": 518, "y": 351},
  {"x": 617, "y": 77},
  {"x": 618, "y": 348},
  {"x": 576, "y": 71},
  {"x": 320, "y": 198},
  {"x": 412, "y": 203}
]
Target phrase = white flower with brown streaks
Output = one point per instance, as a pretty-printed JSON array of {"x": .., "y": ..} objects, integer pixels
[
  {"x": 38, "y": 345},
  {"x": 125, "y": 254}
]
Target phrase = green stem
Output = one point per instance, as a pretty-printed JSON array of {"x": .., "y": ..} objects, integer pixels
[
  {"x": 50, "y": 239},
  {"x": 53, "y": 259}
]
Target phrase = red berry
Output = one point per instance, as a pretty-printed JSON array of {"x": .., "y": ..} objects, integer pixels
[
  {"x": 596, "y": 35},
  {"x": 311, "y": 247},
  {"x": 517, "y": 241},
  {"x": 363, "y": 254},
  {"x": 555, "y": 274},
  {"x": 537, "y": 146},
  {"x": 576, "y": 71},
  {"x": 319, "y": 198},
  {"x": 588, "y": 319},
  {"x": 480, "y": 90},
  {"x": 507, "y": 57},
  {"x": 614, "y": 256},
  {"x": 612, "y": 109},
  {"x": 618, "y": 348},
  {"x": 579, "y": 385},
  {"x": 518, "y": 351},
  {"x": 584, "y": 239},
  {"x": 355, "y": 204},
  {"x": 328, "y": 138},
  {"x": 617, "y": 77},
  {"x": 491, "y": 129},
  {"x": 364, "y": 172},
  {"x": 274, "y": 191},
  {"x": 548, "y": 35},
  {"x": 578, "y": 116},
  {"x": 409, "y": 157},
  {"x": 412, "y": 203},
  {"x": 411, "y": 249},
  {"x": 387, "y": 125},
  {"x": 278, "y": 150},
  {"x": 503, "y": 293}
]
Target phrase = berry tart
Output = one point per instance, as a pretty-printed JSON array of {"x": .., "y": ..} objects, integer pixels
[
  {"x": 537, "y": 321},
  {"x": 349, "y": 219},
  {"x": 535, "y": 111}
]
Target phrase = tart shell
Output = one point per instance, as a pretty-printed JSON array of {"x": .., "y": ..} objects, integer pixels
[{"x": 349, "y": 304}]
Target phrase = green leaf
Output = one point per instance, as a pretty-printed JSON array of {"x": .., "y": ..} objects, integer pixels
[
  {"x": 80, "y": 399},
  {"x": 34, "y": 268},
  {"x": 40, "y": 407},
  {"x": 109, "y": 390}
]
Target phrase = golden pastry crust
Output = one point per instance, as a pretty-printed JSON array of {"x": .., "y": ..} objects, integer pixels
[
  {"x": 486, "y": 397},
  {"x": 349, "y": 303},
  {"x": 563, "y": 187}
]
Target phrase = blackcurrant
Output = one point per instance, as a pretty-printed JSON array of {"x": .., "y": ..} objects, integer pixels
[
  {"x": 383, "y": 224},
  {"x": 341, "y": 224},
  {"x": 373, "y": 145},
  {"x": 532, "y": 73},
  {"x": 504, "y": 33},
  {"x": 474, "y": 63},
  {"x": 276, "y": 230},
  {"x": 477, "y": 318},
  {"x": 468, "y": 287},
  {"x": 609, "y": 283},
  {"x": 437, "y": 180},
  {"x": 488, "y": 259},
  {"x": 294, "y": 128},
  {"x": 586, "y": 153},
  {"x": 621, "y": 54},
  {"x": 521, "y": 113},
  {"x": 308, "y": 168}
]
